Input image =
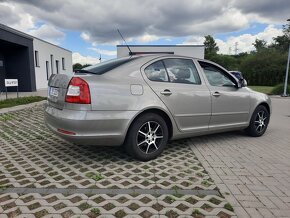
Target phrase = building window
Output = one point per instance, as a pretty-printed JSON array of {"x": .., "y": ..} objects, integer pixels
[
  {"x": 57, "y": 66},
  {"x": 36, "y": 58},
  {"x": 47, "y": 69},
  {"x": 63, "y": 63},
  {"x": 51, "y": 63}
]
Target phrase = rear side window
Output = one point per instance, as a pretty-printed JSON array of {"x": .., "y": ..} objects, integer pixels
[
  {"x": 182, "y": 71},
  {"x": 106, "y": 66},
  {"x": 175, "y": 70},
  {"x": 156, "y": 72}
]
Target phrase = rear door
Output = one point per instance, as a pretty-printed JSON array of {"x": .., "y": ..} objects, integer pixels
[
  {"x": 177, "y": 83},
  {"x": 230, "y": 105}
]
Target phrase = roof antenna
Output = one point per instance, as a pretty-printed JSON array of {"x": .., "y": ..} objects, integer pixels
[{"x": 130, "y": 52}]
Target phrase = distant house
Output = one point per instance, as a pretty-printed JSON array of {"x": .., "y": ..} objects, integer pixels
[
  {"x": 30, "y": 60},
  {"x": 196, "y": 51}
]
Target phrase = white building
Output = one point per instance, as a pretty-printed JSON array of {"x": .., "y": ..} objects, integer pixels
[
  {"x": 196, "y": 51},
  {"x": 30, "y": 60},
  {"x": 51, "y": 60}
]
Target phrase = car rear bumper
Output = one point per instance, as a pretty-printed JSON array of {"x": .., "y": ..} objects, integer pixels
[{"x": 107, "y": 128}]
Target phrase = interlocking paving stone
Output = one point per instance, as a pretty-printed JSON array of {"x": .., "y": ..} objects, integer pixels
[
  {"x": 252, "y": 173},
  {"x": 111, "y": 191},
  {"x": 42, "y": 175}
]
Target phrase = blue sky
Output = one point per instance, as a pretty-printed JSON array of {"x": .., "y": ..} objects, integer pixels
[{"x": 89, "y": 27}]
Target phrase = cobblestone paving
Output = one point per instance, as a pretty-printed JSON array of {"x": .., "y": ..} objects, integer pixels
[
  {"x": 43, "y": 176},
  {"x": 252, "y": 173}
]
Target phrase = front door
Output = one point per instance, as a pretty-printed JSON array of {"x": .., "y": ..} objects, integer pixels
[
  {"x": 177, "y": 83},
  {"x": 230, "y": 105}
]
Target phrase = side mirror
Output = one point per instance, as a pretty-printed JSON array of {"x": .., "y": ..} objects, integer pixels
[{"x": 242, "y": 83}]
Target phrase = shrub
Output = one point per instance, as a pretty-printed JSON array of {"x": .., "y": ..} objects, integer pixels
[{"x": 279, "y": 89}]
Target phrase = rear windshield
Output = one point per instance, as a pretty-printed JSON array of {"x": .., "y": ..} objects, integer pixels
[{"x": 106, "y": 66}]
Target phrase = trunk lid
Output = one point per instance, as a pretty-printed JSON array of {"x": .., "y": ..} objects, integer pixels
[{"x": 57, "y": 88}]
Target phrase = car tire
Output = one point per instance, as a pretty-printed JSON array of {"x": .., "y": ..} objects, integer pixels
[
  {"x": 147, "y": 137},
  {"x": 259, "y": 122}
]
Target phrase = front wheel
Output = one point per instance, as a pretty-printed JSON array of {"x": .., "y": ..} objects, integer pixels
[
  {"x": 259, "y": 122},
  {"x": 147, "y": 137}
]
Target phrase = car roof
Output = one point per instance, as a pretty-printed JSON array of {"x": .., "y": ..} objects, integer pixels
[{"x": 162, "y": 55}]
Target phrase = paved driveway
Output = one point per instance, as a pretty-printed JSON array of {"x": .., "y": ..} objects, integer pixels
[
  {"x": 252, "y": 173},
  {"x": 43, "y": 176}
]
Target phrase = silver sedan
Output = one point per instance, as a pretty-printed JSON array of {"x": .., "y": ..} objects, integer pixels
[{"x": 141, "y": 102}]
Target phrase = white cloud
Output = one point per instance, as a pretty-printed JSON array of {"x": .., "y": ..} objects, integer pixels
[
  {"x": 78, "y": 58},
  {"x": 147, "y": 38},
  {"x": 14, "y": 16},
  {"x": 194, "y": 40},
  {"x": 143, "y": 21},
  {"x": 48, "y": 33},
  {"x": 85, "y": 36},
  {"x": 104, "y": 52},
  {"x": 245, "y": 41}
]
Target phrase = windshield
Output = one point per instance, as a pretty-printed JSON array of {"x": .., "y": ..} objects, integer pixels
[{"x": 106, "y": 66}]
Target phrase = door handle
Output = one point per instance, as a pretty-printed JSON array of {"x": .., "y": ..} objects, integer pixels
[
  {"x": 166, "y": 92},
  {"x": 216, "y": 94}
]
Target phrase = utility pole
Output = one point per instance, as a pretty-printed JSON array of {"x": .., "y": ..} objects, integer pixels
[
  {"x": 230, "y": 50},
  {"x": 236, "y": 48},
  {"x": 286, "y": 74}
]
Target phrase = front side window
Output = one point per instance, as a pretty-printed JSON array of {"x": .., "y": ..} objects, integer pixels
[
  {"x": 182, "y": 71},
  {"x": 216, "y": 76},
  {"x": 156, "y": 72}
]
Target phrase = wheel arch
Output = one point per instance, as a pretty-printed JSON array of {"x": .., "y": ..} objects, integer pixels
[
  {"x": 158, "y": 111},
  {"x": 266, "y": 105}
]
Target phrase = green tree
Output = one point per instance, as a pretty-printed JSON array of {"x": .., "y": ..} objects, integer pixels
[
  {"x": 77, "y": 66},
  {"x": 264, "y": 68},
  {"x": 229, "y": 62},
  {"x": 282, "y": 43},
  {"x": 211, "y": 47},
  {"x": 260, "y": 44},
  {"x": 86, "y": 65}
]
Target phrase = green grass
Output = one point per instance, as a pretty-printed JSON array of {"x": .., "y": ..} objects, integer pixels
[
  {"x": 229, "y": 207},
  {"x": 263, "y": 89},
  {"x": 20, "y": 101}
]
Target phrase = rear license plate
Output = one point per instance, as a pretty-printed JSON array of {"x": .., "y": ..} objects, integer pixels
[{"x": 53, "y": 93}]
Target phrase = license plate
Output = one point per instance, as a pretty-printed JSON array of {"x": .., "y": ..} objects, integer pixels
[{"x": 53, "y": 92}]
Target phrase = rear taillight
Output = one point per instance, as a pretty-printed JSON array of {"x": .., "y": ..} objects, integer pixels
[{"x": 78, "y": 91}]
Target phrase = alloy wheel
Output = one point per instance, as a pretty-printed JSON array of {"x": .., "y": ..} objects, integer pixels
[
  {"x": 149, "y": 137},
  {"x": 260, "y": 121}
]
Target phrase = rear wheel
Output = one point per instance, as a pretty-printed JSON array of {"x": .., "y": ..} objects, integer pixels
[
  {"x": 259, "y": 122},
  {"x": 147, "y": 137}
]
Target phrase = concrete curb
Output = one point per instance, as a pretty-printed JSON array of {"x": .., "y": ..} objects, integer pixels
[
  {"x": 279, "y": 96},
  {"x": 20, "y": 107}
]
